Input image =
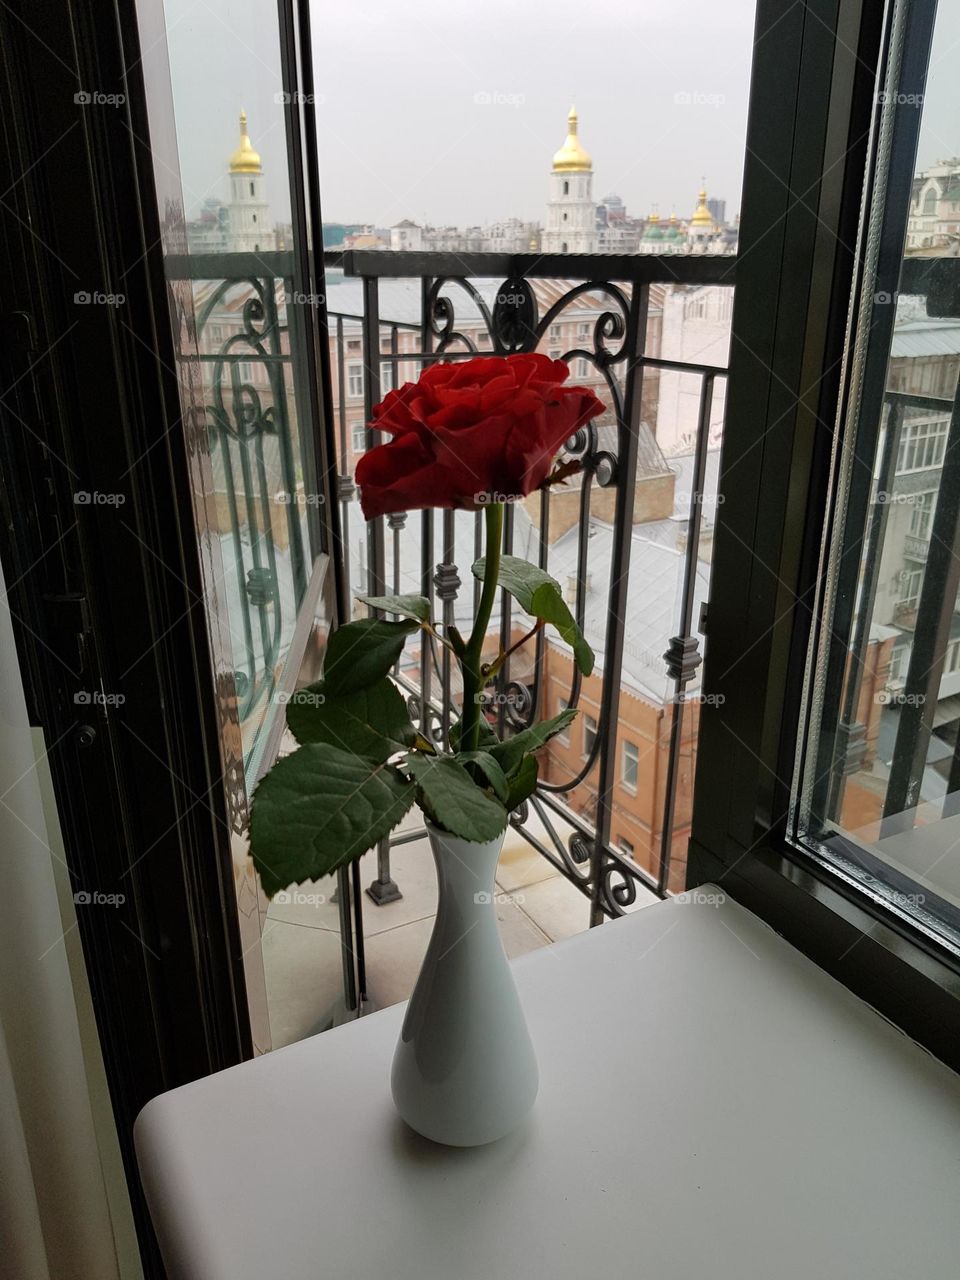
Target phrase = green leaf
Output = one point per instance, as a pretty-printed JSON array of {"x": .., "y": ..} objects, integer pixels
[
  {"x": 361, "y": 653},
  {"x": 372, "y": 723},
  {"x": 486, "y": 764},
  {"x": 488, "y": 737},
  {"x": 523, "y": 782},
  {"x": 540, "y": 596},
  {"x": 318, "y": 809},
  {"x": 509, "y": 755},
  {"x": 454, "y": 799},
  {"x": 410, "y": 606}
]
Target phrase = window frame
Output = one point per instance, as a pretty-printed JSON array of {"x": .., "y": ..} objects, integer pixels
[{"x": 787, "y": 369}]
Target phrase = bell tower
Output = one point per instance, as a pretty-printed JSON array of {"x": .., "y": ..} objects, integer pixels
[
  {"x": 571, "y": 214},
  {"x": 250, "y": 227}
]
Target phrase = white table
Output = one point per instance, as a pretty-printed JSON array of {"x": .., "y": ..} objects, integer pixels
[{"x": 712, "y": 1106}]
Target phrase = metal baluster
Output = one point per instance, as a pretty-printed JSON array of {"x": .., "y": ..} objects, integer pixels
[
  {"x": 619, "y": 589},
  {"x": 683, "y": 655}
]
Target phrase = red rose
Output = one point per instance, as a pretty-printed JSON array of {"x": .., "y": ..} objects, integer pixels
[{"x": 484, "y": 428}]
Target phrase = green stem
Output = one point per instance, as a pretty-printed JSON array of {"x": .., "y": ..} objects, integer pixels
[{"x": 472, "y": 659}]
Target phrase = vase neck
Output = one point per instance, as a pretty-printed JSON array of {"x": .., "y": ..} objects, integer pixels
[{"x": 465, "y": 868}]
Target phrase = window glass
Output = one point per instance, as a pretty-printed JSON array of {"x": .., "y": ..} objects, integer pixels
[{"x": 880, "y": 769}]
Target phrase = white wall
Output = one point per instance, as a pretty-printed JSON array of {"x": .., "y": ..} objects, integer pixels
[{"x": 55, "y": 1209}]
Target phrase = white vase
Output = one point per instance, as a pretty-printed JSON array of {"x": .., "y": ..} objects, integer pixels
[{"x": 464, "y": 1071}]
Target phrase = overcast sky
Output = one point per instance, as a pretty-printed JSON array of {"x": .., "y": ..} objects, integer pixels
[{"x": 451, "y": 110}]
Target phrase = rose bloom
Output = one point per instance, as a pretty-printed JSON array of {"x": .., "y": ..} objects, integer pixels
[{"x": 469, "y": 432}]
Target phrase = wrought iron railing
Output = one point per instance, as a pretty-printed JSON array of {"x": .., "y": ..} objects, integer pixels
[{"x": 459, "y": 299}]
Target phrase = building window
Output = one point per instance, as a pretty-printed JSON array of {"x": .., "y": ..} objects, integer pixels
[
  {"x": 911, "y": 580},
  {"x": 563, "y": 247},
  {"x": 589, "y": 734},
  {"x": 625, "y": 846},
  {"x": 555, "y": 355},
  {"x": 359, "y": 437},
  {"x": 355, "y": 381},
  {"x": 564, "y": 217},
  {"x": 922, "y": 445},
  {"x": 566, "y": 187},
  {"x": 921, "y": 515},
  {"x": 353, "y": 344},
  {"x": 583, "y": 329},
  {"x": 252, "y": 189},
  {"x": 630, "y": 765},
  {"x": 583, "y": 368},
  {"x": 386, "y": 376}
]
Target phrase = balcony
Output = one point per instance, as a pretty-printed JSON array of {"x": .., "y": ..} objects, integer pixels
[{"x": 629, "y": 539}]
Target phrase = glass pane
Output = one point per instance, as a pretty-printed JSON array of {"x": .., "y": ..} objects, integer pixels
[
  {"x": 241, "y": 317},
  {"x": 881, "y": 783}
]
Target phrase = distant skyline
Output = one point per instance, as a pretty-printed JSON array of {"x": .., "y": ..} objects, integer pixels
[
  {"x": 445, "y": 112},
  {"x": 448, "y": 113}
]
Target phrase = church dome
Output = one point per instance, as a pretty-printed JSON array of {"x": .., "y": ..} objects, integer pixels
[
  {"x": 702, "y": 218},
  {"x": 571, "y": 158},
  {"x": 245, "y": 159},
  {"x": 673, "y": 230},
  {"x": 653, "y": 229}
]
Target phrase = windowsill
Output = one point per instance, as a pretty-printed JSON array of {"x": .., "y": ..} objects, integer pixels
[{"x": 784, "y": 1121}]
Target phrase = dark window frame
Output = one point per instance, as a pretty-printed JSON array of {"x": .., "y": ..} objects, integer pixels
[{"x": 803, "y": 188}]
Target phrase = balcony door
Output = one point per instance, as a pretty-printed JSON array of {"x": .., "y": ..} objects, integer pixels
[{"x": 229, "y": 104}]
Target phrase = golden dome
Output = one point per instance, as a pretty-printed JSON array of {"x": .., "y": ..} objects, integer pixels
[
  {"x": 245, "y": 159},
  {"x": 701, "y": 215},
  {"x": 571, "y": 158}
]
